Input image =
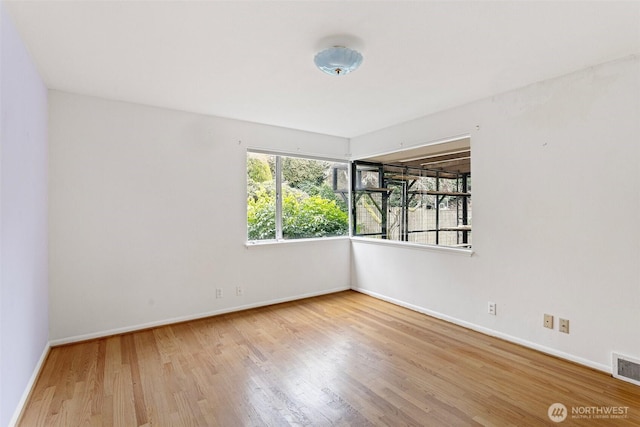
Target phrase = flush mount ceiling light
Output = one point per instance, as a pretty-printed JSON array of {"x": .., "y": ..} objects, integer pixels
[{"x": 338, "y": 60}]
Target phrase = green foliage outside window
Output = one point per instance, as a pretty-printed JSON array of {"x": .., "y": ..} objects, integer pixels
[
  {"x": 304, "y": 172},
  {"x": 258, "y": 169},
  {"x": 312, "y": 216},
  {"x": 261, "y": 218}
]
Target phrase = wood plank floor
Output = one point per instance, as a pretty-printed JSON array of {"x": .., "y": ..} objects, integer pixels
[{"x": 343, "y": 359}]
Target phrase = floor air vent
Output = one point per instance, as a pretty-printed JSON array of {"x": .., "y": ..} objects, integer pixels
[{"x": 626, "y": 368}]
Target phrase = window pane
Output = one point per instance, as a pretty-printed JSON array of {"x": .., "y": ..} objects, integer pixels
[
  {"x": 261, "y": 197},
  {"x": 421, "y": 196},
  {"x": 315, "y": 198}
]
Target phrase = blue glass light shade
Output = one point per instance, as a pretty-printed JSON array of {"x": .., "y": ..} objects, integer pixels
[{"x": 338, "y": 60}]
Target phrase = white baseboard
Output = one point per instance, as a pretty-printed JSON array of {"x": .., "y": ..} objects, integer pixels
[
  {"x": 490, "y": 332},
  {"x": 117, "y": 331},
  {"x": 30, "y": 385}
]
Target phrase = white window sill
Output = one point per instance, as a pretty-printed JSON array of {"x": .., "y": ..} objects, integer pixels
[
  {"x": 261, "y": 243},
  {"x": 408, "y": 245}
]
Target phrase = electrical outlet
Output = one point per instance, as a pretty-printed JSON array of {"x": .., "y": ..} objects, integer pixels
[
  {"x": 492, "y": 308},
  {"x": 564, "y": 326},
  {"x": 218, "y": 292},
  {"x": 239, "y": 291},
  {"x": 548, "y": 321}
]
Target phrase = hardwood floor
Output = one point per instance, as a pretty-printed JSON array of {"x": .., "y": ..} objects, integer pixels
[{"x": 342, "y": 359}]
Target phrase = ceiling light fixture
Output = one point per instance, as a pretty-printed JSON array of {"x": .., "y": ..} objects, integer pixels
[{"x": 338, "y": 60}]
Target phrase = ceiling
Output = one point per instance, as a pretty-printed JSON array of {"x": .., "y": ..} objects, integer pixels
[{"x": 253, "y": 60}]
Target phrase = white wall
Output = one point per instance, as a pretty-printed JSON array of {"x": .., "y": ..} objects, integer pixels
[
  {"x": 148, "y": 217},
  {"x": 23, "y": 220},
  {"x": 556, "y": 197}
]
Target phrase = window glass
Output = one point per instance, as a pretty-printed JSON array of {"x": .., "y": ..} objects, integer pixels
[
  {"x": 421, "y": 196},
  {"x": 296, "y": 198}
]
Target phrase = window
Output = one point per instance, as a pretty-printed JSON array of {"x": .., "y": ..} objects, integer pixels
[
  {"x": 296, "y": 198},
  {"x": 422, "y": 195}
]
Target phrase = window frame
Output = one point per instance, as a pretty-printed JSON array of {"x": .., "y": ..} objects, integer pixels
[
  {"x": 386, "y": 162},
  {"x": 278, "y": 181},
  {"x": 349, "y": 192}
]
